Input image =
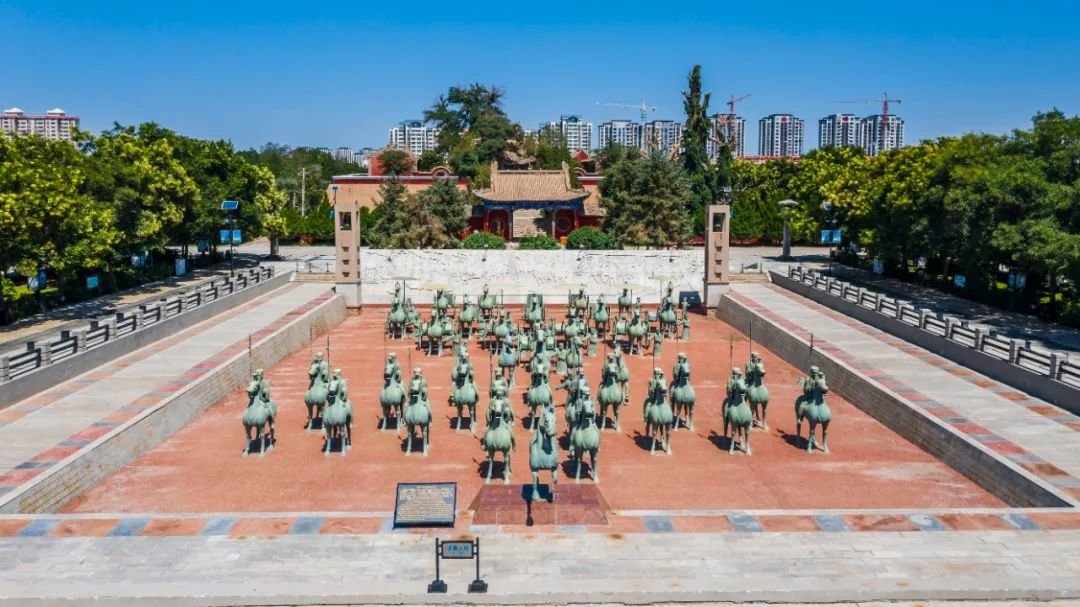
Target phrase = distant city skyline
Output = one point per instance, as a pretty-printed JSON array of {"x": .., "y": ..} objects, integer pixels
[{"x": 255, "y": 73}]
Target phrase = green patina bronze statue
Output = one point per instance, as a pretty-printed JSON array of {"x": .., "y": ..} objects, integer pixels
[
  {"x": 318, "y": 388},
  {"x": 486, "y": 303},
  {"x": 464, "y": 393},
  {"x": 682, "y": 393},
  {"x": 756, "y": 392},
  {"x": 338, "y": 415},
  {"x": 508, "y": 359},
  {"x": 610, "y": 393},
  {"x": 396, "y": 318},
  {"x": 666, "y": 314},
  {"x": 601, "y": 316},
  {"x": 259, "y": 414},
  {"x": 636, "y": 331},
  {"x": 544, "y": 452},
  {"x": 499, "y": 436},
  {"x": 737, "y": 413},
  {"x": 624, "y": 302},
  {"x": 585, "y": 436},
  {"x": 539, "y": 395},
  {"x": 392, "y": 395},
  {"x": 417, "y": 413},
  {"x": 466, "y": 318},
  {"x": 810, "y": 405},
  {"x": 659, "y": 417}
]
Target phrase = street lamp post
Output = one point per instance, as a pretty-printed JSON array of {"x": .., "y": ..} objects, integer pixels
[
  {"x": 230, "y": 206},
  {"x": 830, "y": 210},
  {"x": 785, "y": 209}
]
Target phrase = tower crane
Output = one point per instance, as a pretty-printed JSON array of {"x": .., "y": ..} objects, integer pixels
[
  {"x": 722, "y": 120},
  {"x": 642, "y": 107},
  {"x": 885, "y": 101}
]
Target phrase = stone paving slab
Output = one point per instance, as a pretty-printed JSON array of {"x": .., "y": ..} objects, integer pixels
[
  {"x": 43, "y": 430},
  {"x": 1016, "y": 426},
  {"x": 521, "y": 568}
]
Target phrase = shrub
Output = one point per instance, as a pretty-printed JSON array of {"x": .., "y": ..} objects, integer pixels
[
  {"x": 540, "y": 241},
  {"x": 589, "y": 238},
  {"x": 482, "y": 240}
]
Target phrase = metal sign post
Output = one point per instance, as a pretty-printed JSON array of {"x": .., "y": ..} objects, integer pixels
[{"x": 457, "y": 549}]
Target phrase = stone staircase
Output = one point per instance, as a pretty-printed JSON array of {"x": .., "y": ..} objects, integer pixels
[{"x": 529, "y": 222}]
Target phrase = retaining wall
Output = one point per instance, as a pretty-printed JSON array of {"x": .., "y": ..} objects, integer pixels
[
  {"x": 1009, "y": 482},
  {"x": 467, "y": 271},
  {"x": 50, "y": 375},
  {"x": 85, "y": 469}
]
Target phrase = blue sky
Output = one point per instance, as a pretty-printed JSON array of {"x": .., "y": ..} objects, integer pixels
[{"x": 340, "y": 73}]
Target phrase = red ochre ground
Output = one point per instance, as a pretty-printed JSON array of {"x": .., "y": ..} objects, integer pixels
[{"x": 200, "y": 468}]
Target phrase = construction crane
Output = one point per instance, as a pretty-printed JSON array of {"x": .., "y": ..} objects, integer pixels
[
  {"x": 885, "y": 101},
  {"x": 722, "y": 120},
  {"x": 642, "y": 107},
  {"x": 732, "y": 101}
]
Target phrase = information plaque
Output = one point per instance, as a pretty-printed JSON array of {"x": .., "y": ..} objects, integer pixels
[{"x": 425, "y": 505}]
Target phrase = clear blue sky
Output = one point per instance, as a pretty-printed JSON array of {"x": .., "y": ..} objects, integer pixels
[{"x": 340, "y": 73}]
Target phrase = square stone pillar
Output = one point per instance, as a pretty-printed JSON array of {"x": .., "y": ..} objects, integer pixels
[
  {"x": 347, "y": 252},
  {"x": 716, "y": 254}
]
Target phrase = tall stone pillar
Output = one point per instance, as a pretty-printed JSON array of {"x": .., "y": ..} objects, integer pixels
[
  {"x": 347, "y": 252},
  {"x": 716, "y": 254}
]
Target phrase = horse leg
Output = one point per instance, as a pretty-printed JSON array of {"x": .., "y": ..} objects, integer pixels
[
  {"x": 327, "y": 439},
  {"x": 746, "y": 435},
  {"x": 457, "y": 426},
  {"x": 592, "y": 465},
  {"x": 536, "y": 486},
  {"x": 764, "y": 420},
  {"x": 491, "y": 464},
  {"x": 472, "y": 418},
  {"x": 677, "y": 410},
  {"x": 309, "y": 418},
  {"x": 734, "y": 436},
  {"x": 810, "y": 438},
  {"x": 577, "y": 470},
  {"x": 690, "y": 416},
  {"x": 824, "y": 436},
  {"x": 247, "y": 443},
  {"x": 385, "y": 414},
  {"x": 408, "y": 438},
  {"x": 425, "y": 434},
  {"x": 507, "y": 471}
]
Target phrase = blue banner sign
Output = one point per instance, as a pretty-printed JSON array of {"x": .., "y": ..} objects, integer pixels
[
  {"x": 830, "y": 237},
  {"x": 224, "y": 237},
  {"x": 236, "y": 237}
]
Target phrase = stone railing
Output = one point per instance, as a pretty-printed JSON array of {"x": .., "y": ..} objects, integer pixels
[
  {"x": 1025, "y": 367},
  {"x": 36, "y": 355}
]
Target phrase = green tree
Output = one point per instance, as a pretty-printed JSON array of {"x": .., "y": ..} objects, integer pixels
[
  {"x": 483, "y": 240},
  {"x": 46, "y": 218},
  {"x": 645, "y": 202},
  {"x": 142, "y": 182},
  {"x": 474, "y": 131},
  {"x": 395, "y": 161},
  {"x": 270, "y": 203},
  {"x": 538, "y": 242},
  {"x": 429, "y": 160},
  {"x": 705, "y": 186},
  {"x": 589, "y": 238},
  {"x": 445, "y": 201},
  {"x": 393, "y": 214}
]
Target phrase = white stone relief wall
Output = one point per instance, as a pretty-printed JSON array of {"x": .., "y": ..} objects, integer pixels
[{"x": 522, "y": 272}]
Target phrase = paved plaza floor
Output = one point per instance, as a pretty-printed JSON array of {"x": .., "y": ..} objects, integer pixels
[{"x": 295, "y": 527}]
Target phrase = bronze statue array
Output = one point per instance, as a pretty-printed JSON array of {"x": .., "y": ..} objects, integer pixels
[
  {"x": 337, "y": 416},
  {"x": 318, "y": 389},
  {"x": 737, "y": 413}
]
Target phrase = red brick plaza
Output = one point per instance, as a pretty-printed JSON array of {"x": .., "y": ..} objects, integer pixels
[{"x": 200, "y": 469}]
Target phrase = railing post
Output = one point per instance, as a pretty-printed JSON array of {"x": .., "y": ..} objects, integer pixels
[
  {"x": 879, "y": 302},
  {"x": 1014, "y": 351},
  {"x": 949, "y": 322},
  {"x": 5, "y": 368},
  {"x": 1055, "y": 366},
  {"x": 45, "y": 352},
  {"x": 80, "y": 340},
  {"x": 110, "y": 326},
  {"x": 980, "y": 338}
]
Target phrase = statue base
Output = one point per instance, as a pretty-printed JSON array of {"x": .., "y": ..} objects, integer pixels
[{"x": 567, "y": 504}]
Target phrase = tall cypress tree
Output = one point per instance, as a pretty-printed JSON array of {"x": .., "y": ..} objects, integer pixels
[{"x": 704, "y": 178}]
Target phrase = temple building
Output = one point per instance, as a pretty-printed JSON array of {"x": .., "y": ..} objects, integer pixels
[
  {"x": 527, "y": 202},
  {"x": 518, "y": 203}
]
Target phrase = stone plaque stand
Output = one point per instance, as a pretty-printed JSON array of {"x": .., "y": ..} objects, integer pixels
[{"x": 716, "y": 254}]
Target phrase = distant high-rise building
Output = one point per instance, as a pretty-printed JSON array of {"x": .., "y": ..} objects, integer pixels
[
  {"x": 623, "y": 132},
  {"x": 780, "y": 135},
  {"x": 872, "y": 128},
  {"x": 364, "y": 156},
  {"x": 344, "y": 154},
  {"x": 838, "y": 130},
  {"x": 414, "y": 136},
  {"x": 576, "y": 132},
  {"x": 662, "y": 135},
  {"x": 55, "y": 124},
  {"x": 730, "y": 129}
]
